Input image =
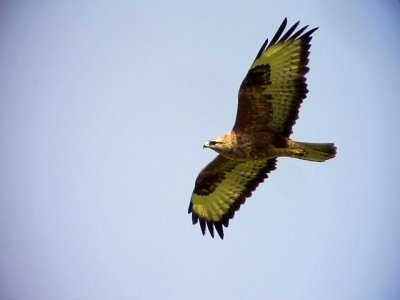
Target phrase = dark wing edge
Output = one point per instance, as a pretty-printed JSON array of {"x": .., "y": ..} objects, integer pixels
[
  {"x": 250, "y": 187},
  {"x": 306, "y": 37}
]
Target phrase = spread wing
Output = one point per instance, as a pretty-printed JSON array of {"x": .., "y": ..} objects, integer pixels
[
  {"x": 221, "y": 187},
  {"x": 275, "y": 86}
]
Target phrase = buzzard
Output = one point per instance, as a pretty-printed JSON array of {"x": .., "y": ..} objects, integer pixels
[{"x": 269, "y": 100}]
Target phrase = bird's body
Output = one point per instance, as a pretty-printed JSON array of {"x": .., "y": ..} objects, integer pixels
[
  {"x": 242, "y": 146},
  {"x": 269, "y": 100}
]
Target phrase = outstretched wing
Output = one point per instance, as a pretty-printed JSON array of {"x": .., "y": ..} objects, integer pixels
[
  {"x": 275, "y": 86},
  {"x": 221, "y": 187}
]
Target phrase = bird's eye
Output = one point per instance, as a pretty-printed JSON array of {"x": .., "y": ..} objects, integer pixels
[{"x": 212, "y": 143}]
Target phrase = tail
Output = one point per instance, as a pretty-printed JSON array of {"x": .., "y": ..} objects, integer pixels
[{"x": 318, "y": 152}]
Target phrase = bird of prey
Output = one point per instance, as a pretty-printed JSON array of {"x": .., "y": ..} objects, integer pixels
[{"x": 269, "y": 100}]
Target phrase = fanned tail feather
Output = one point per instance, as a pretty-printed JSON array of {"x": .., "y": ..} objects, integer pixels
[{"x": 318, "y": 152}]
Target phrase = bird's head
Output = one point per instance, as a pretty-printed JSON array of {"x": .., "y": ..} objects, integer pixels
[
  {"x": 212, "y": 144},
  {"x": 219, "y": 144}
]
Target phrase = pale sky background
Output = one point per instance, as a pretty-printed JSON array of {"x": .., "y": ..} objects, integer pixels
[{"x": 104, "y": 107}]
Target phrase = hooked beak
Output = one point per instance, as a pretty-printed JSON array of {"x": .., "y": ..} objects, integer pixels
[{"x": 206, "y": 145}]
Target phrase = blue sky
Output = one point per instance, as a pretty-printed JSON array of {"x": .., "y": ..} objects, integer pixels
[{"x": 104, "y": 107}]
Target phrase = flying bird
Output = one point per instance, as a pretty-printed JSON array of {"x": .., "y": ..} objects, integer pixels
[{"x": 269, "y": 100}]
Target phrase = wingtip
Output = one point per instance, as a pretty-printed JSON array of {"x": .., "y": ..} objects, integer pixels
[
  {"x": 210, "y": 228},
  {"x": 279, "y": 32},
  {"x": 203, "y": 226},
  {"x": 311, "y": 31},
  {"x": 220, "y": 229}
]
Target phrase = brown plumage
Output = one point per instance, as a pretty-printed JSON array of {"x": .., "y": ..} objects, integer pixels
[{"x": 269, "y": 100}]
